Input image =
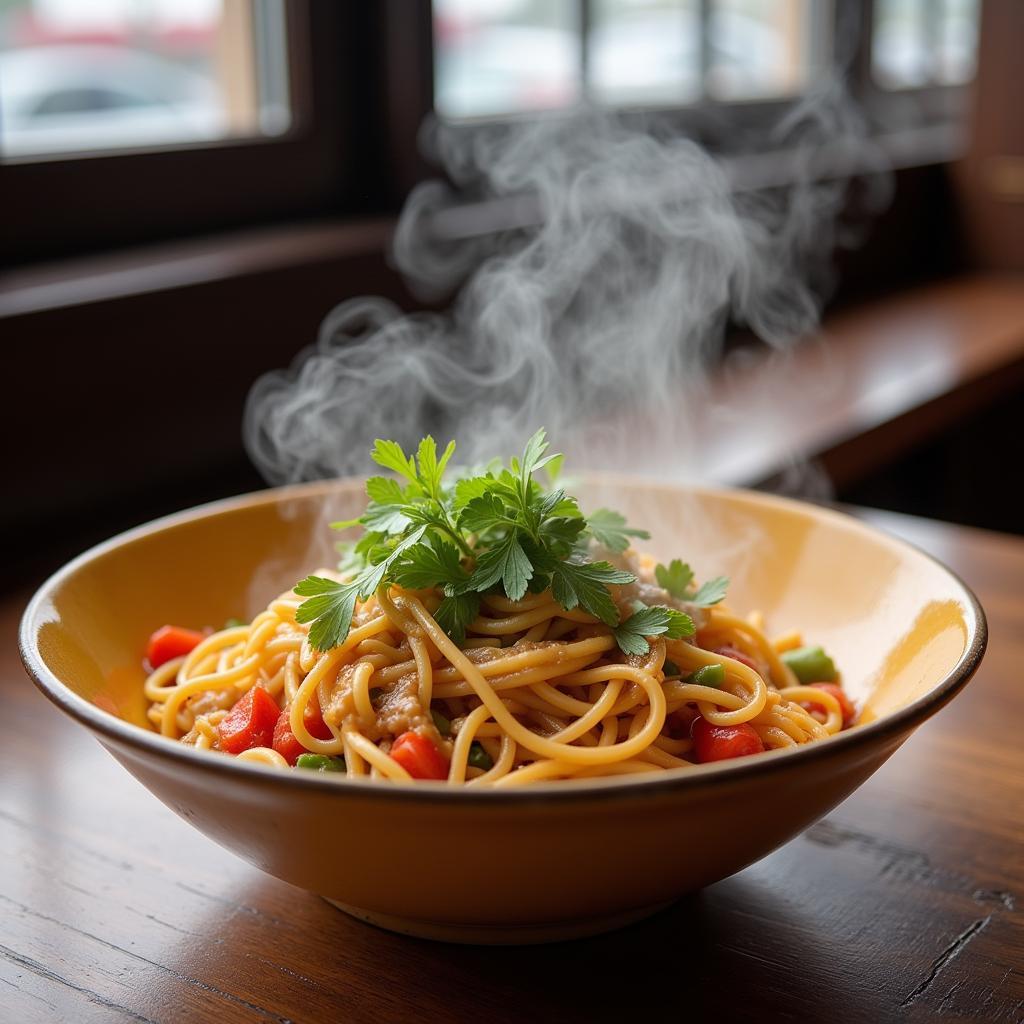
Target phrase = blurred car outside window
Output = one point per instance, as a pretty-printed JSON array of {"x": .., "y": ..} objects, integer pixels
[{"x": 108, "y": 75}]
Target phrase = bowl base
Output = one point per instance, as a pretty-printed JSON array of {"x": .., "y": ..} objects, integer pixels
[{"x": 500, "y": 934}]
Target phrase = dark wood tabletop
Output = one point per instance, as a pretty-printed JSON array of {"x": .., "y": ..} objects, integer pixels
[{"x": 904, "y": 903}]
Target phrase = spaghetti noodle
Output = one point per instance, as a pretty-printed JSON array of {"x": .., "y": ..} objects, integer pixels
[
  {"x": 535, "y": 691},
  {"x": 489, "y": 634}
]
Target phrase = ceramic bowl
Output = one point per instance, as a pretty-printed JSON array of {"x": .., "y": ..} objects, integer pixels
[{"x": 523, "y": 865}]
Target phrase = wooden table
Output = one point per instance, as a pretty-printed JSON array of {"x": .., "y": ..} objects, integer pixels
[{"x": 903, "y": 904}]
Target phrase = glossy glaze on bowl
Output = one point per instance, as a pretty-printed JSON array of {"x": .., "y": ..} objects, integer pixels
[{"x": 546, "y": 862}]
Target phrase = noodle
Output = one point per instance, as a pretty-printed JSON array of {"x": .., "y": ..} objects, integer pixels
[
  {"x": 534, "y": 692},
  {"x": 491, "y": 634}
]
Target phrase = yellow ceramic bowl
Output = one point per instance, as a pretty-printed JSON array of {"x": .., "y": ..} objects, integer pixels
[{"x": 521, "y": 865}]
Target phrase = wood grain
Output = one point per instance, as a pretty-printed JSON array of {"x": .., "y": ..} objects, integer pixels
[{"x": 903, "y": 904}]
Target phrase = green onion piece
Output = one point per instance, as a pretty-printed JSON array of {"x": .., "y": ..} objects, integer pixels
[
  {"x": 233, "y": 623},
  {"x": 478, "y": 757},
  {"x": 670, "y": 668},
  {"x": 810, "y": 665},
  {"x": 708, "y": 675},
  {"x": 320, "y": 763},
  {"x": 443, "y": 726}
]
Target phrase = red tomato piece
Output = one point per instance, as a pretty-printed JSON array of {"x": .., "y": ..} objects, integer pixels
[
  {"x": 171, "y": 642},
  {"x": 313, "y": 719},
  {"x": 678, "y": 723},
  {"x": 287, "y": 744},
  {"x": 419, "y": 757},
  {"x": 720, "y": 742},
  {"x": 728, "y": 651},
  {"x": 849, "y": 711},
  {"x": 285, "y": 741},
  {"x": 250, "y": 723}
]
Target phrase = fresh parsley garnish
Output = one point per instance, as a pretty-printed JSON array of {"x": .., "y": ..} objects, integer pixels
[
  {"x": 631, "y": 635},
  {"x": 496, "y": 529},
  {"x": 609, "y": 528},
  {"x": 677, "y": 579}
]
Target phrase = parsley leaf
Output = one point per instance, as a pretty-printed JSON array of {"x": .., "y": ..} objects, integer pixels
[
  {"x": 677, "y": 579},
  {"x": 430, "y": 469},
  {"x": 329, "y": 607},
  {"x": 456, "y": 612},
  {"x": 428, "y": 565},
  {"x": 484, "y": 513},
  {"x": 370, "y": 579},
  {"x": 384, "y": 490},
  {"x": 496, "y": 528},
  {"x": 533, "y": 459},
  {"x": 573, "y": 584},
  {"x": 389, "y": 454},
  {"x": 711, "y": 592},
  {"x": 469, "y": 488},
  {"x": 508, "y": 563},
  {"x": 609, "y": 529},
  {"x": 384, "y": 518},
  {"x": 631, "y": 635}
]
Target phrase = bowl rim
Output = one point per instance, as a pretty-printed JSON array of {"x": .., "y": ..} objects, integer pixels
[{"x": 145, "y": 742}]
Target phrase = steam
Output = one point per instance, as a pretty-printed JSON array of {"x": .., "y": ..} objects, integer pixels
[{"x": 598, "y": 272}]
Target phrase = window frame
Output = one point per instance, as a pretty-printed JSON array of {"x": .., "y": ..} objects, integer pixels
[
  {"x": 64, "y": 204},
  {"x": 717, "y": 122}
]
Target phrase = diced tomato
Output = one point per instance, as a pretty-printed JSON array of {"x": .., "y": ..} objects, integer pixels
[
  {"x": 313, "y": 719},
  {"x": 728, "y": 651},
  {"x": 285, "y": 741},
  {"x": 250, "y": 723},
  {"x": 849, "y": 711},
  {"x": 719, "y": 742},
  {"x": 171, "y": 642},
  {"x": 419, "y": 757},
  {"x": 677, "y": 725}
]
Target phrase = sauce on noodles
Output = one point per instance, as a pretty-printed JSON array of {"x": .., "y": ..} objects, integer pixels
[{"x": 531, "y": 687}]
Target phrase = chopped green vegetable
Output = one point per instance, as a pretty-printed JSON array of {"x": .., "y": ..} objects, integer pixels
[
  {"x": 478, "y": 757},
  {"x": 670, "y": 668},
  {"x": 234, "y": 623},
  {"x": 320, "y": 763},
  {"x": 443, "y": 726},
  {"x": 810, "y": 665},
  {"x": 708, "y": 675},
  {"x": 677, "y": 579}
]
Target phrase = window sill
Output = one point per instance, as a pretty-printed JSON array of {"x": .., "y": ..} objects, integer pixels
[
  {"x": 134, "y": 272},
  {"x": 884, "y": 376}
]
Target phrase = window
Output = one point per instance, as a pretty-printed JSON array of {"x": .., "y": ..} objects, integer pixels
[
  {"x": 520, "y": 55},
  {"x": 107, "y": 106},
  {"x": 504, "y": 57},
  {"x": 115, "y": 74},
  {"x": 924, "y": 42}
]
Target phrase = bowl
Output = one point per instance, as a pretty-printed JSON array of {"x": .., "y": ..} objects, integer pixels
[{"x": 558, "y": 860}]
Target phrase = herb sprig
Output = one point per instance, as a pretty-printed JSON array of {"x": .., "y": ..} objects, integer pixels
[
  {"x": 677, "y": 579},
  {"x": 497, "y": 530}
]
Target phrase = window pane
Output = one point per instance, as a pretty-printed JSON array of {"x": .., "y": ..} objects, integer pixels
[
  {"x": 113, "y": 74},
  {"x": 645, "y": 51},
  {"x": 761, "y": 48},
  {"x": 899, "y": 49},
  {"x": 504, "y": 56},
  {"x": 958, "y": 41}
]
